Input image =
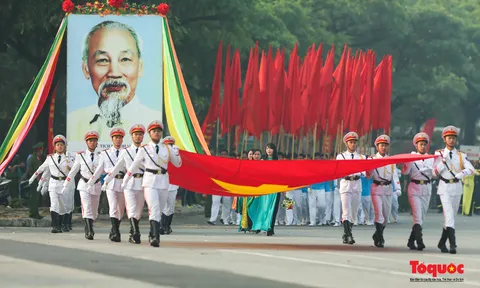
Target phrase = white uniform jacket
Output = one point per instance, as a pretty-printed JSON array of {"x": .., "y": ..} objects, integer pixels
[
  {"x": 450, "y": 173},
  {"x": 156, "y": 165},
  {"x": 84, "y": 164},
  {"x": 108, "y": 159},
  {"x": 421, "y": 174},
  {"x": 126, "y": 158},
  {"x": 354, "y": 184},
  {"x": 384, "y": 175},
  {"x": 58, "y": 170}
]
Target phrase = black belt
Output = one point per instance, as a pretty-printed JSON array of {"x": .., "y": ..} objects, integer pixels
[
  {"x": 421, "y": 182},
  {"x": 86, "y": 179},
  {"x": 137, "y": 175},
  {"x": 119, "y": 176},
  {"x": 382, "y": 183},
  {"x": 449, "y": 181},
  {"x": 59, "y": 178},
  {"x": 157, "y": 172},
  {"x": 352, "y": 178}
]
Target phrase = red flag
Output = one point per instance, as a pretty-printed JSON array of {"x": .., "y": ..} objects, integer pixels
[
  {"x": 428, "y": 128},
  {"x": 326, "y": 87},
  {"x": 214, "y": 109},
  {"x": 354, "y": 101},
  {"x": 250, "y": 96},
  {"x": 225, "y": 176},
  {"x": 387, "y": 77},
  {"x": 313, "y": 107},
  {"x": 277, "y": 95},
  {"x": 338, "y": 98},
  {"x": 367, "y": 95},
  {"x": 263, "y": 97},
  {"x": 226, "y": 101}
]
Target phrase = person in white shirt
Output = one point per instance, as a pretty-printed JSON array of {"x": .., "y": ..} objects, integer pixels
[
  {"x": 133, "y": 191},
  {"x": 115, "y": 196},
  {"x": 350, "y": 188},
  {"x": 419, "y": 189},
  {"x": 155, "y": 157},
  {"x": 59, "y": 165},
  {"x": 169, "y": 209},
  {"x": 86, "y": 163},
  {"x": 383, "y": 179},
  {"x": 450, "y": 167}
]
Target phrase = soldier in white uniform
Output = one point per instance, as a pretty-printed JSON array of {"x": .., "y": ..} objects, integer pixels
[
  {"x": 155, "y": 157},
  {"x": 58, "y": 164},
  {"x": 419, "y": 189},
  {"x": 451, "y": 167},
  {"x": 350, "y": 188},
  {"x": 169, "y": 209},
  {"x": 116, "y": 199},
  {"x": 86, "y": 162},
  {"x": 133, "y": 190},
  {"x": 383, "y": 179}
]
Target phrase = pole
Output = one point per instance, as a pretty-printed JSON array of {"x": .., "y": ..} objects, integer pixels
[
  {"x": 216, "y": 136},
  {"x": 314, "y": 140}
]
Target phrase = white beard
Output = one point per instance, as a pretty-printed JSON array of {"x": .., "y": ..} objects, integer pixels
[{"x": 110, "y": 108}]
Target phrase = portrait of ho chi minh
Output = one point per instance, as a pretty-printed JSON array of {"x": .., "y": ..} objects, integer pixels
[{"x": 113, "y": 62}]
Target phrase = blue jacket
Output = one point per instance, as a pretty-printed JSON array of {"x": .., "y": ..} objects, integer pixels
[
  {"x": 330, "y": 185},
  {"x": 318, "y": 186},
  {"x": 366, "y": 186},
  {"x": 305, "y": 189}
]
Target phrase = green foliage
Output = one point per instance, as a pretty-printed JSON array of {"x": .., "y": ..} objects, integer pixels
[{"x": 434, "y": 43}]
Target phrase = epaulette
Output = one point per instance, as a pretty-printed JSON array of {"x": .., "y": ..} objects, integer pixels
[
  {"x": 80, "y": 152},
  {"x": 143, "y": 145}
]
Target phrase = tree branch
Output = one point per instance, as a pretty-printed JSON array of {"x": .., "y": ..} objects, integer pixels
[
  {"x": 217, "y": 17},
  {"x": 24, "y": 53}
]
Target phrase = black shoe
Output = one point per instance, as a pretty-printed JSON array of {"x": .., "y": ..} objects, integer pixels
[
  {"x": 441, "y": 244},
  {"x": 89, "y": 229},
  {"x": 350, "y": 239},
  {"x": 63, "y": 222},
  {"x": 419, "y": 237},
  {"x": 130, "y": 235},
  {"x": 411, "y": 240},
  {"x": 115, "y": 233},
  {"x": 377, "y": 236},
  {"x": 452, "y": 240},
  {"x": 270, "y": 233},
  {"x": 155, "y": 233}
]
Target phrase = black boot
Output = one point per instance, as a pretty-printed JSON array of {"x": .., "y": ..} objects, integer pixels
[
  {"x": 114, "y": 234},
  {"x": 168, "y": 229},
  {"x": 70, "y": 221},
  {"x": 88, "y": 229},
  {"x": 55, "y": 222},
  {"x": 63, "y": 223},
  {"x": 130, "y": 235},
  {"x": 419, "y": 237},
  {"x": 351, "y": 240},
  {"x": 377, "y": 236},
  {"x": 134, "y": 231},
  {"x": 346, "y": 227},
  {"x": 155, "y": 232},
  {"x": 381, "y": 235},
  {"x": 452, "y": 240},
  {"x": 441, "y": 244},
  {"x": 411, "y": 240},
  {"x": 163, "y": 224}
]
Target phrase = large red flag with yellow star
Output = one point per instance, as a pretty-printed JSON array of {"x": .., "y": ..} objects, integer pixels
[{"x": 233, "y": 177}]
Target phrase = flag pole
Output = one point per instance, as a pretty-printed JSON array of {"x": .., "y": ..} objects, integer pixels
[
  {"x": 314, "y": 140},
  {"x": 216, "y": 136}
]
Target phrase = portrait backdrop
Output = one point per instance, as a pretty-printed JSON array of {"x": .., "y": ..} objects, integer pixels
[{"x": 110, "y": 84}]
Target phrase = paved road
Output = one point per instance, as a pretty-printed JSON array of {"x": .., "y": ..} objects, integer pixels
[{"x": 197, "y": 255}]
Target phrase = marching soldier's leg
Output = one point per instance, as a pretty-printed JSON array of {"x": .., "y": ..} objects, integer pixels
[
  {"x": 54, "y": 211},
  {"x": 451, "y": 228},
  {"x": 377, "y": 206},
  {"x": 152, "y": 198},
  {"x": 387, "y": 209},
  {"x": 87, "y": 213},
  {"x": 215, "y": 209},
  {"x": 447, "y": 213},
  {"x": 416, "y": 213},
  {"x": 354, "y": 206},
  {"x": 114, "y": 213}
]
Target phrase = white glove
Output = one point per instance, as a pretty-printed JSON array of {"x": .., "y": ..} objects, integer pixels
[
  {"x": 39, "y": 187},
  {"x": 44, "y": 189},
  {"x": 104, "y": 186},
  {"x": 64, "y": 189},
  {"x": 459, "y": 175},
  {"x": 399, "y": 193},
  {"x": 30, "y": 181},
  {"x": 91, "y": 182}
]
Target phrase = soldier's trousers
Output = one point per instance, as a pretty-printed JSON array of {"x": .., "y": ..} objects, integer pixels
[
  {"x": 156, "y": 200},
  {"x": 450, "y": 204},
  {"x": 116, "y": 204},
  {"x": 134, "y": 200},
  {"x": 350, "y": 204},
  {"x": 382, "y": 204},
  {"x": 419, "y": 205},
  {"x": 89, "y": 205},
  {"x": 170, "y": 206}
]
